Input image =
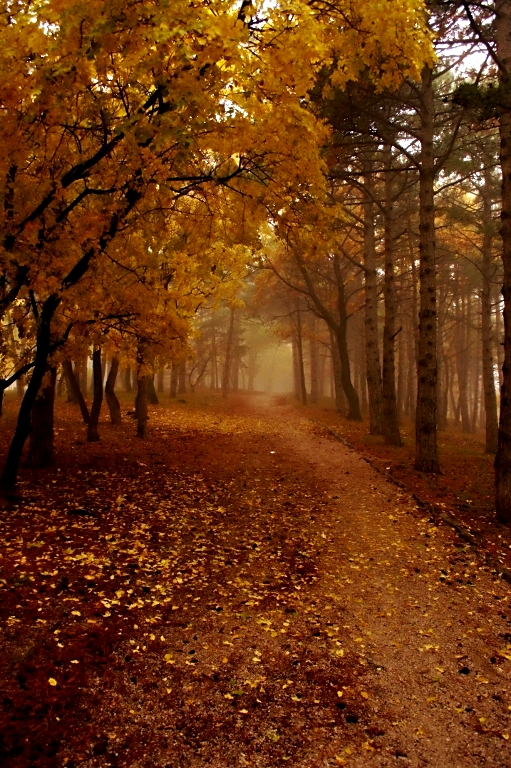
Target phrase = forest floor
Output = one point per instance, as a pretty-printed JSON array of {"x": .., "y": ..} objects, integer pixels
[
  {"x": 242, "y": 589},
  {"x": 464, "y": 490}
]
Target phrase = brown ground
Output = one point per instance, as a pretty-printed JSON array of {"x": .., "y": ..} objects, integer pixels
[
  {"x": 464, "y": 489},
  {"x": 242, "y": 590}
]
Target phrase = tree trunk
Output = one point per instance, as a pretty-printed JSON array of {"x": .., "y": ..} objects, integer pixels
[
  {"x": 461, "y": 335},
  {"x": 20, "y": 388},
  {"x": 174, "y": 375},
  {"x": 252, "y": 363},
  {"x": 23, "y": 425},
  {"x": 74, "y": 386},
  {"x": 299, "y": 354},
  {"x": 97, "y": 378},
  {"x": 372, "y": 349},
  {"x": 160, "y": 381},
  {"x": 340, "y": 397},
  {"x": 181, "y": 379},
  {"x": 426, "y": 456},
  {"x": 503, "y": 457},
  {"x": 487, "y": 272},
  {"x": 111, "y": 398},
  {"x": 226, "y": 377},
  {"x": 314, "y": 363},
  {"x": 42, "y": 435},
  {"x": 141, "y": 405},
  {"x": 128, "y": 386},
  {"x": 152, "y": 397},
  {"x": 354, "y": 413},
  {"x": 390, "y": 417}
]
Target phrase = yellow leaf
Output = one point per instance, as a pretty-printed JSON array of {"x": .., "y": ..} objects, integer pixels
[
  {"x": 364, "y": 694},
  {"x": 52, "y": 681}
]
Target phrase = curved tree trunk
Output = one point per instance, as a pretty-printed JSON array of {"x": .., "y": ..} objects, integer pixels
[
  {"x": 97, "y": 378},
  {"x": 75, "y": 388},
  {"x": 23, "y": 425},
  {"x": 111, "y": 398},
  {"x": 40, "y": 452}
]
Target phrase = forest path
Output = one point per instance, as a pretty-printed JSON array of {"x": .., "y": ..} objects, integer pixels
[
  {"x": 241, "y": 590},
  {"x": 426, "y": 618}
]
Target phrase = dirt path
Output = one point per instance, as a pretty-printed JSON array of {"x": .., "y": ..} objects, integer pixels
[{"x": 245, "y": 591}]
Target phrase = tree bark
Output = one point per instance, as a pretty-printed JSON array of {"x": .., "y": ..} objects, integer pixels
[
  {"x": 354, "y": 413},
  {"x": 340, "y": 396},
  {"x": 160, "y": 381},
  {"x": 111, "y": 398},
  {"x": 461, "y": 336},
  {"x": 426, "y": 455},
  {"x": 487, "y": 272},
  {"x": 314, "y": 362},
  {"x": 372, "y": 349},
  {"x": 75, "y": 388},
  {"x": 40, "y": 453},
  {"x": 503, "y": 457},
  {"x": 97, "y": 378},
  {"x": 390, "y": 416}
]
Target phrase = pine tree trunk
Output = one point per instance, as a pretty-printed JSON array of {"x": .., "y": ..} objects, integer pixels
[
  {"x": 487, "y": 272},
  {"x": 111, "y": 398},
  {"x": 314, "y": 363},
  {"x": 462, "y": 363},
  {"x": 354, "y": 413},
  {"x": 426, "y": 456},
  {"x": 74, "y": 386},
  {"x": 390, "y": 417},
  {"x": 340, "y": 397},
  {"x": 40, "y": 453},
  {"x": 372, "y": 350},
  {"x": 97, "y": 378},
  {"x": 503, "y": 457}
]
